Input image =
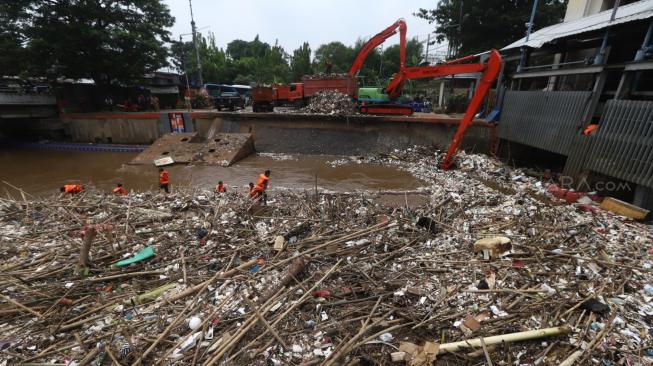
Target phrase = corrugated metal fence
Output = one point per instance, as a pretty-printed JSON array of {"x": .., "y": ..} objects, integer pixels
[
  {"x": 548, "y": 120},
  {"x": 623, "y": 145}
]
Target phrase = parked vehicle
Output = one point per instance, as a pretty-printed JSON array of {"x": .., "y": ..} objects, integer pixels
[
  {"x": 262, "y": 99},
  {"x": 245, "y": 92},
  {"x": 225, "y": 96},
  {"x": 299, "y": 94}
]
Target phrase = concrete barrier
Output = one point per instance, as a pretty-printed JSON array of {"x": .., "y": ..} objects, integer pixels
[
  {"x": 286, "y": 133},
  {"x": 117, "y": 128}
]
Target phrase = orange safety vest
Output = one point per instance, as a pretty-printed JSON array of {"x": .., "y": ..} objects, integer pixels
[
  {"x": 220, "y": 188},
  {"x": 164, "y": 178},
  {"x": 590, "y": 128},
  {"x": 263, "y": 181},
  {"x": 72, "y": 188},
  {"x": 120, "y": 191}
]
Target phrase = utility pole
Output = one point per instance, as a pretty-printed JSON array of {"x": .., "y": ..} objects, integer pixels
[
  {"x": 529, "y": 28},
  {"x": 183, "y": 66},
  {"x": 197, "y": 50},
  {"x": 428, "y": 43}
]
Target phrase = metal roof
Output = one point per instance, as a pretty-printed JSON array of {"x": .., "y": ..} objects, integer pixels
[{"x": 627, "y": 13}]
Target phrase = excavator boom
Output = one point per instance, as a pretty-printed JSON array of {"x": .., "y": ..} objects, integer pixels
[
  {"x": 399, "y": 25},
  {"x": 490, "y": 70}
]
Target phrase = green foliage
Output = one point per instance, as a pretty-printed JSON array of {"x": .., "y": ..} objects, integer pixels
[
  {"x": 106, "y": 40},
  {"x": 379, "y": 66},
  {"x": 214, "y": 60},
  {"x": 300, "y": 64},
  {"x": 473, "y": 26},
  {"x": 243, "y": 62},
  {"x": 337, "y": 53},
  {"x": 12, "y": 13}
]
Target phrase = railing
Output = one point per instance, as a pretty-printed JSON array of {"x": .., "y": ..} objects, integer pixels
[{"x": 27, "y": 99}]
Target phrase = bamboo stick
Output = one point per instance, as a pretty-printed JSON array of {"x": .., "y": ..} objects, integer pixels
[
  {"x": 22, "y": 306},
  {"x": 508, "y": 338}
]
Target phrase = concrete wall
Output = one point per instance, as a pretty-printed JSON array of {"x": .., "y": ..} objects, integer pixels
[
  {"x": 112, "y": 130},
  {"x": 299, "y": 134},
  {"x": 285, "y": 133}
]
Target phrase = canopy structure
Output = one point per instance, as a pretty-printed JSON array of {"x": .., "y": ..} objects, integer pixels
[{"x": 627, "y": 13}]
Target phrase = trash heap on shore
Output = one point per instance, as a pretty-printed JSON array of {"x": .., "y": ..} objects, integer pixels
[
  {"x": 491, "y": 269},
  {"x": 330, "y": 102}
]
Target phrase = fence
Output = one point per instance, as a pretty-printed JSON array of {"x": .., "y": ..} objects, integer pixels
[
  {"x": 548, "y": 120},
  {"x": 623, "y": 145}
]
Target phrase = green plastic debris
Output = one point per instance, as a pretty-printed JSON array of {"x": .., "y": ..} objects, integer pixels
[
  {"x": 151, "y": 295},
  {"x": 144, "y": 254}
]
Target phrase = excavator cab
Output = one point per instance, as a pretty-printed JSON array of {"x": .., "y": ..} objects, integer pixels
[{"x": 372, "y": 95}]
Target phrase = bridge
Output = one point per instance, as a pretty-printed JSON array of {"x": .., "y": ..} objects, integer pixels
[{"x": 25, "y": 106}]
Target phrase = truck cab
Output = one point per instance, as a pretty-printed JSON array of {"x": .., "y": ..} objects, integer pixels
[{"x": 289, "y": 93}]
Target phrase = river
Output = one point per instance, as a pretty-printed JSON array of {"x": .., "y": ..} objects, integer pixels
[{"x": 42, "y": 172}]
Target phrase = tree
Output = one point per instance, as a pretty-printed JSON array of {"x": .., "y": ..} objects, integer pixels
[
  {"x": 105, "y": 40},
  {"x": 337, "y": 53},
  {"x": 300, "y": 63},
  {"x": 257, "y": 61},
  {"x": 472, "y": 26},
  {"x": 12, "y": 56},
  {"x": 391, "y": 57}
]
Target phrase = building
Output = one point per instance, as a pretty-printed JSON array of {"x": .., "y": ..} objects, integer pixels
[{"x": 595, "y": 68}]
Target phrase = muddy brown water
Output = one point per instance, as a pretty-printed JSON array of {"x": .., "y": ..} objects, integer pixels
[{"x": 42, "y": 172}]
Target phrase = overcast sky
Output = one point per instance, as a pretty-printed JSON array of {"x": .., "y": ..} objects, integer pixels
[{"x": 293, "y": 22}]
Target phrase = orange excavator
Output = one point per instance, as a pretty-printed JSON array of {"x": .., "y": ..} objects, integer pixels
[{"x": 489, "y": 66}]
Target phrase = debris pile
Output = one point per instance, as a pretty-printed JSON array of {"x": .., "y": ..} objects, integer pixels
[
  {"x": 322, "y": 76},
  {"x": 489, "y": 270},
  {"x": 330, "y": 102}
]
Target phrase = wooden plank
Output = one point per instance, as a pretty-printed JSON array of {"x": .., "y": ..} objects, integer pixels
[{"x": 624, "y": 208}]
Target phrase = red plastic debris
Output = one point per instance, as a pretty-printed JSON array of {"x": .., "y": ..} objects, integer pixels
[
  {"x": 587, "y": 208},
  {"x": 572, "y": 197},
  {"x": 557, "y": 191},
  {"x": 322, "y": 293},
  {"x": 65, "y": 301},
  {"x": 518, "y": 263}
]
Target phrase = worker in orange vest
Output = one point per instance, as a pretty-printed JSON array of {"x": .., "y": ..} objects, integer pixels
[
  {"x": 262, "y": 186},
  {"x": 220, "y": 188},
  {"x": 164, "y": 180},
  {"x": 71, "y": 188},
  {"x": 120, "y": 190}
]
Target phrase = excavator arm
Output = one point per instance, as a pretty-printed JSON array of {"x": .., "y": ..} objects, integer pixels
[
  {"x": 490, "y": 70},
  {"x": 399, "y": 25}
]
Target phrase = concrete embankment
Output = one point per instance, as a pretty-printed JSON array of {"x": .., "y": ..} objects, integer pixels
[{"x": 282, "y": 133}]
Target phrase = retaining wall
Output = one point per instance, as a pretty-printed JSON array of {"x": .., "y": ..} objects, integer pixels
[{"x": 285, "y": 133}]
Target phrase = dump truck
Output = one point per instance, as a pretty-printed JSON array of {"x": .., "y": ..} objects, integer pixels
[{"x": 264, "y": 98}]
